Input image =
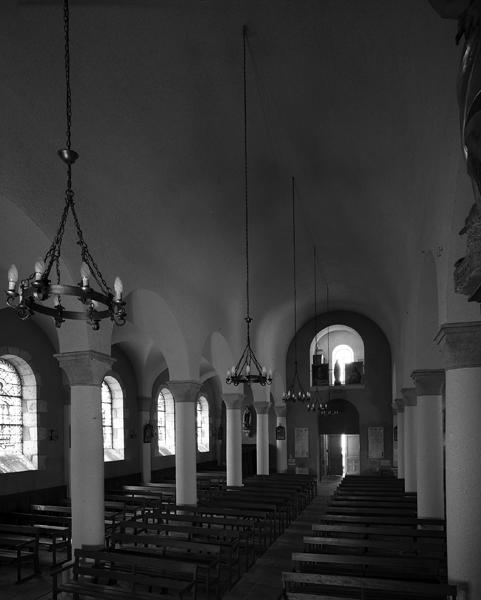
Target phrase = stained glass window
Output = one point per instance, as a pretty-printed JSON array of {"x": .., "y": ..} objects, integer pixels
[
  {"x": 107, "y": 415},
  {"x": 202, "y": 424},
  {"x": 11, "y": 421},
  {"x": 166, "y": 422}
]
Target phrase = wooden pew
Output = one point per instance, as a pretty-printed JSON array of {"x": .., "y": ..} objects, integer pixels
[
  {"x": 19, "y": 545},
  {"x": 205, "y": 556},
  {"x": 368, "y": 530},
  {"x": 367, "y": 565},
  {"x": 111, "y": 516},
  {"x": 396, "y": 519},
  {"x": 307, "y": 480},
  {"x": 339, "y": 495},
  {"x": 406, "y": 547},
  {"x": 55, "y": 532},
  {"x": 263, "y": 522},
  {"x": 97, "y": 573},
  {"x": 246, "y": 529},
  {"x": 226, "y": 539},
  {"x": 286, "y": 503},
  {"x": 332, "y": 509},
  {"x": 318, "y": 584},
  {"x": 296, "y": 495},
  {"x": 242, "y": 503},
  {"x": 375, "y": 504}
]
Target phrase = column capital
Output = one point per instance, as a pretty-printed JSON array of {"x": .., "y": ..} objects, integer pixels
[
  {"x": 280, "y": 410},
  {"x": 461, "y": 344},
  {"x": 86, "y": 367},
  {"x": 409, "y": 396},
  {"x": 233, "y": 400},
  {"x": 399, "y": 402},
  {"x": 262, "y": 408},
  {"x": 184, "y": 391},
  {"x": 429, "y": 382}
]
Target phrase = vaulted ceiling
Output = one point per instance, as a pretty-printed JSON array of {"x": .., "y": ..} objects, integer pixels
[{"x": 355, "y": 99}]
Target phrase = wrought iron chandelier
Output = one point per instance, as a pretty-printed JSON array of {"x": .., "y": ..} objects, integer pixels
[
  {"x": 295, "y": 391},
  {"x": 248, "y": 369},
  {"x": 37, "y": 293}
]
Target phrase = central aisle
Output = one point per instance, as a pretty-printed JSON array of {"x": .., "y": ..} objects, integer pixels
[{"x": 263, "y": 580}]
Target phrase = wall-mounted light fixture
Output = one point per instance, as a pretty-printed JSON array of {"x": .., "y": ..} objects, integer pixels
[{"x": 53, "y": 435}]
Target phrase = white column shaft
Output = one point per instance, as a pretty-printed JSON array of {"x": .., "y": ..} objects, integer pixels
[
  {"x": 463, "y": 477},
  {"x": 282, "y": 447},
  {"x": 234, "y": 446},
  {"x": 410, "y": 478},
  {"x": 146, "y": 449},
  {"x": 262, "y": 442},
  {"x": 87, "y": 467},
  {"x": 429, "y": 466},
  {"x": 185, "y": 453},
  {"x": 400, "y": 445}
]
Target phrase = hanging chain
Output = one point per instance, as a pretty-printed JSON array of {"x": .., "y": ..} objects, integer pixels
[
  {"x": 68, "y": 93},
  {"x": 53, "y": 253},
  {"x": 244, "y": 40},
  {"x": 316, "y": 316},
  {"x": 294, "y": 265},
  {"x": 87, "y": 257}
]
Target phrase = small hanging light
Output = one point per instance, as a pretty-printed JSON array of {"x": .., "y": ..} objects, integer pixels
[
  {"x": 248, "y": 369},
  {"x": 33, "y": 292},
  {"x": 295, "y": 391}
]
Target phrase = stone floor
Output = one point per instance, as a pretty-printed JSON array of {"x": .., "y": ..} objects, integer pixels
[{"x": 262, "y": 581}]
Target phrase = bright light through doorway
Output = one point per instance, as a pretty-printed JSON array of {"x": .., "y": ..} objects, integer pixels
[{"x": 344, "y": 453}]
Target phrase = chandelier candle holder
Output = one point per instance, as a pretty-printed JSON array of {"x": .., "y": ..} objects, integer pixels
[
  {"x": 295, "y": 391},
  {"x": 37, "y": 293},
  {"x": 248, "y": 369}
]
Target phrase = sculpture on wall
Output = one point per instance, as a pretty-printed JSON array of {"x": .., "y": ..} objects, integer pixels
[
  {"x": 248, "y": 421},
  {"x": 467, "y": 272}
]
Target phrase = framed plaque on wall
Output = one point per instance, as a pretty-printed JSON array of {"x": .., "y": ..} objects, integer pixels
[
  {"x": 301, "y": 442},
  {"x": 375, "y": 439}
]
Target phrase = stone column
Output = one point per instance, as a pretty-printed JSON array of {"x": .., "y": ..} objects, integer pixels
[
  {"x": 461, "y": 344},
  {"x": 145, "y": 404},
  {"x": 185, "y": 395},
  {"x": 429, "y": 444},
  {"x": 233, "y": 405},
  {"x": 281, "y": 414},
  {"x": 400, "y": 437},
  {"x": 66, "y": 428},
  {"x": 85, "y": 371},
  {"x": 262, "y": 439},
  {"x": 394, "y": 428},
  {"x": 410, "y": 437}
]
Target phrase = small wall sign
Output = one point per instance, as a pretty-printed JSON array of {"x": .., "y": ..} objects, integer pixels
[{"x": 280, "y": 432}]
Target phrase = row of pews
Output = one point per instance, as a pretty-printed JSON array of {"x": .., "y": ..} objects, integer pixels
[
  {"x": 370, "y": 544},
  {"x": 155, "y": 548}
]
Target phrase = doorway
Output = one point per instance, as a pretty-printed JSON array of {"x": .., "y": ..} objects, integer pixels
[
  {"x": 350, "y": 454},
  {"x": 340, "y": 454}
]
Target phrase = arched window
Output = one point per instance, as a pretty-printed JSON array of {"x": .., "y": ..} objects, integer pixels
[
  {"x": 112, "y": 419},
  {"x": 202, "y": 424},
  {"x": 166, "y": 422},
  {"x": 18, "y": 416},
  {"x": 337, "y": 342},
  {"x": 343, "y": 355},
  {"x": 11, "y": 421}
]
